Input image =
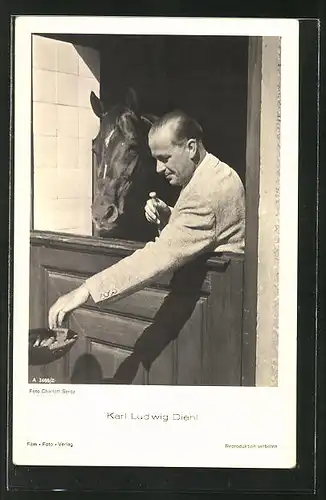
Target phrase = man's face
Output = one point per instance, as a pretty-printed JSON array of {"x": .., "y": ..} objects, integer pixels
[{"x": 174, "y": 161}]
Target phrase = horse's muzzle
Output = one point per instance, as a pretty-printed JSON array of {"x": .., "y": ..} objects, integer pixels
[{"x": 108, "y": 219}]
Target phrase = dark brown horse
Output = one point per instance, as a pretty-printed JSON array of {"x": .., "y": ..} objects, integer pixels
[{"x": 126, "y": 171}]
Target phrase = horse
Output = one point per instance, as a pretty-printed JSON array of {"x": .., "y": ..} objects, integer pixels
[{"x": 126, "y": 171}]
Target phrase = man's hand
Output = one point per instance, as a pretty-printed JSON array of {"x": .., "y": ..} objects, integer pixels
[
  {"x": 65, "y": 304},
  {"x": 156, "y": 211}
]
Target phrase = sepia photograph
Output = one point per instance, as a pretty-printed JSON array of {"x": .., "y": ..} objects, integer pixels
[
  {"x": 153, "y": 203},
  {"x": 139, "y": 139}
]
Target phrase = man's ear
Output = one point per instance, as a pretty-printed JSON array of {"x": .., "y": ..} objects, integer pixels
[{"x": 192, "y": 147}]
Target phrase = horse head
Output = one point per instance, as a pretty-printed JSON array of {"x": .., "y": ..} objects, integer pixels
[{"x": 125, "y": 170}]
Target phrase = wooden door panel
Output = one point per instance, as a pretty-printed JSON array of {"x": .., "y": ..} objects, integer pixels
[
  {"x": 110, "y": 359},
  {"x": 80, "y": 348},
  {"x": 34, "y": 372},
  {"x": 55, "y": 371},
  {"x": 84, "y": 264},
  {"x": 106, "y": 327},
  {"x": 102, "y": 336},
  {"x": 222, "y": 343},
  {"x": 162, "y": 370},
  {"x": 143, "y": 304},
  {"x": 190, "y": 346},
  {"x": 108, "y": 331},
  {"x": 184, "y": 331}
]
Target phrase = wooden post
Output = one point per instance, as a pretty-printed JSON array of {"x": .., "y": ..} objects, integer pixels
[{"x": 252, "y": 200}]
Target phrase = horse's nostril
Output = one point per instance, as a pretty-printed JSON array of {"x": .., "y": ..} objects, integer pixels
[{"x": 111, "y": 213}]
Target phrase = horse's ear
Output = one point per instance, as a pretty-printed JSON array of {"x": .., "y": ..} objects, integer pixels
[
  {"x": 132, "y": 100},
  {"x": 97, "y": 105}
]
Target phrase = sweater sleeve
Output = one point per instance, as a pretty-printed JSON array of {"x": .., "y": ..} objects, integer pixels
[{"x": 190, "y": 233}]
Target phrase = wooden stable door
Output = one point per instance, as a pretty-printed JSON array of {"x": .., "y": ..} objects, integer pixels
[{"x": 185, "y": 329}]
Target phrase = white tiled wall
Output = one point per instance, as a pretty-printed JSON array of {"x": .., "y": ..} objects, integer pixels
[{"x": 63, "y": 128}]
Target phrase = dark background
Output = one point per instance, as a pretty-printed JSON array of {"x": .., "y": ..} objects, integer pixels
[{"x": 205, "y": 76}]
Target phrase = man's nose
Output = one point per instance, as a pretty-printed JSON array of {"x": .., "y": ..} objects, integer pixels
[{"x": 160, "y": 167}]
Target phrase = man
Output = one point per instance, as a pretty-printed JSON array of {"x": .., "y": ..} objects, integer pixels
[{"x": 208, "y": 216}]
